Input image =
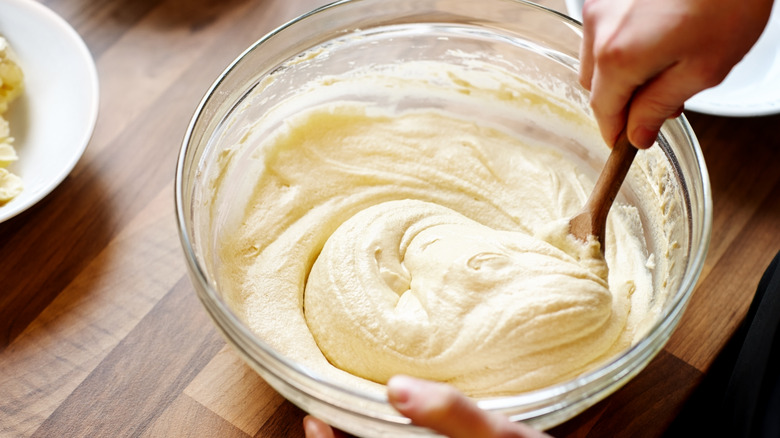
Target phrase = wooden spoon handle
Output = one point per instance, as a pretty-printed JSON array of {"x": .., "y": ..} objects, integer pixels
[
  {"x": 593, "y": 218},
  {"x": 611, "y": 178}
]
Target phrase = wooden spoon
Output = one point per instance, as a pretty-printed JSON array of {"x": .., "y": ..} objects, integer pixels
[{"x": 592, "y": 219}]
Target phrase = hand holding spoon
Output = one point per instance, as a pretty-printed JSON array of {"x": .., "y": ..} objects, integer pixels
[{"x": 592, "y": 219}]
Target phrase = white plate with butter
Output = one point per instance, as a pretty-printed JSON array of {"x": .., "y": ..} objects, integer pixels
[
  {"x": 52, "y": 121},
  {"x": 752, "y": 88}
]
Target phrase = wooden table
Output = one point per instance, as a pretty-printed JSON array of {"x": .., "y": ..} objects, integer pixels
[{"x": 101, "y": 333}]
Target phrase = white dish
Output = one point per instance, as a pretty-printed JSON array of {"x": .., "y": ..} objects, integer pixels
[
  {"x": 574, "y": 9},
  {"x": 753, "y": 86},
  {"x": 53, "y": 120}
]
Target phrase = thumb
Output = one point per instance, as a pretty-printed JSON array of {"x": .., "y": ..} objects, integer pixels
[{"x": 445, "y": 410}]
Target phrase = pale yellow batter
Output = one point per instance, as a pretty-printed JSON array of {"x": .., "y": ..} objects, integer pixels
[{"x": 378, "y": 241}]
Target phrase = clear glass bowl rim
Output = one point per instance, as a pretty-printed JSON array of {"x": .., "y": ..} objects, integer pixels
[{"x": 597, "y": 383}]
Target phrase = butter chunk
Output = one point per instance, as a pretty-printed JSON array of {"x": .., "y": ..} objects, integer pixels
[
  {"x": 11, "y": 77},
  {"x": 11, "y": 86},
  {"x": 10, "y": 186},
  {"x": 7, "y": 154}
]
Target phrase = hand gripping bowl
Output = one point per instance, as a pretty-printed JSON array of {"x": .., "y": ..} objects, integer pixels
[{"x": 538, "y": 45}]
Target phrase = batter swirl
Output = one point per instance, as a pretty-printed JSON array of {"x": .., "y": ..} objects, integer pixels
[{"x": 379, "y": 242}]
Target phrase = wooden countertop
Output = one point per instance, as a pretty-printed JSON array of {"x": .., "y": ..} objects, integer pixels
[{"x": 101, "y": 333}]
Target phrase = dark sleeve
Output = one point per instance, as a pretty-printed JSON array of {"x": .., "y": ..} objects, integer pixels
[
  {"x": 752, "y": 397},
  {"x": 740, "y": 395}
]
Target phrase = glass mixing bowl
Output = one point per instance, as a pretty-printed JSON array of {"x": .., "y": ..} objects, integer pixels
[{"x": 530, "y": 41}]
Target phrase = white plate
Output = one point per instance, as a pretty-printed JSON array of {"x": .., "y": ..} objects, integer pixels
[
  {"x": 753, "y": 86},
  {"x": 52, "y": 121},
  {"x": 574, "y": 9}
]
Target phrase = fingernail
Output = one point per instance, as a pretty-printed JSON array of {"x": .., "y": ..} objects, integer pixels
[
  {"x": 643, "y": 137},
  {"x": 401, "y": 390},
  {"x": 309, "y": 427}
]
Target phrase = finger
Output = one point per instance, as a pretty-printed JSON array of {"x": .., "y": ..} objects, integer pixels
[
  {"x": 586, "y": 50},
  {"x": 621, "y": 67},
  {"x": 445, "y": 410},
  {"x": 436, "y": 406},
  {"x": 659, "y": 99},
  {"x": 609, "y": 101},
  {"x": 315, "y": 428}
]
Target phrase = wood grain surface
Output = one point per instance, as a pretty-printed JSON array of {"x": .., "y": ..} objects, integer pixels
[{"x": 101, "y": 333}]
